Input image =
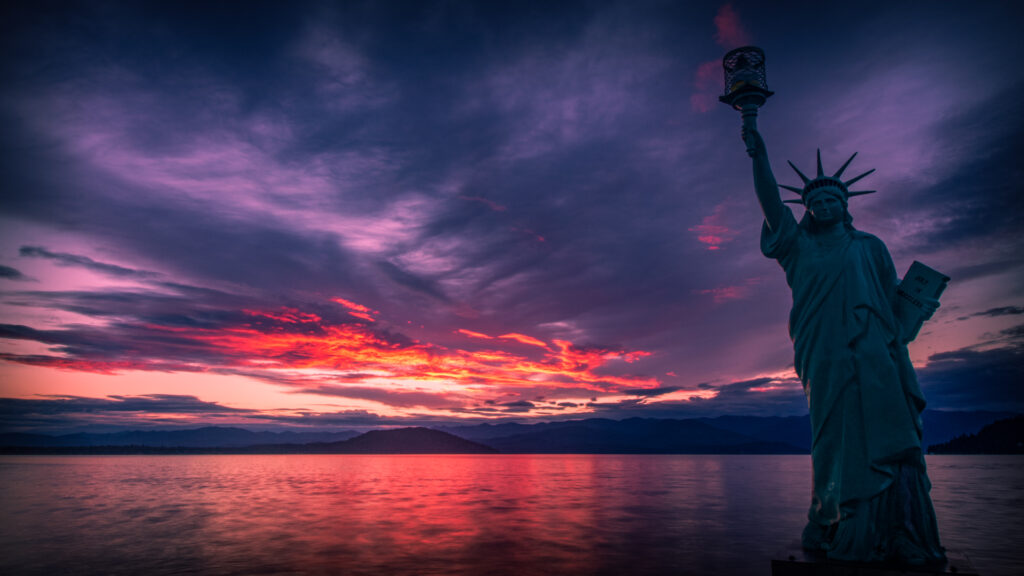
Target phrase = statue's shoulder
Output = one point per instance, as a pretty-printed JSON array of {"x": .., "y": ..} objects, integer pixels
[
  {"x": 861, "y": 235},
  {"x": 870, "y": 241}
]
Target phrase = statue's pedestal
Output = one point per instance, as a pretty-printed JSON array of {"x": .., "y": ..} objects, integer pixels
[{"x": 795, "y": 561}]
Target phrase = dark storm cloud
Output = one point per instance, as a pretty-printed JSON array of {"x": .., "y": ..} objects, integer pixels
[
  {"x": 26, "y": 333},
  {"x": 760, "y": 396},
  {"x": 71, "y": 412},
  {"x": 155, "y": 403},
  {"x": 984, "y": 380},
  {"x": 763, "y": 396},
  {"x": 116, "y": 413},
  {"x": 347, "y": 419},
  {"x": 199, "y": 308},
  {"x": 979, "y": 197},
  {"x": 412, "y": 281},
  {"x": 390, "y": 397},
  {"x": 517, "y": 407},
  {"x": 1000, "y": 311},
  {"x": 1015, "y": 334},
  {"x": 65, "y": 259},
  {"x": 651, "y": 392},
  {"x": 8, "y": 273}
]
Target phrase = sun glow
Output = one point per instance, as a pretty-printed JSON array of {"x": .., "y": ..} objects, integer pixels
[{"x": 353, "y": 365}]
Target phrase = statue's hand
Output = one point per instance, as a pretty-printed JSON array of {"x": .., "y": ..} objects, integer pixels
[
  {"x": 930, "y": 305},
  {"x": 755, "y": 144}
]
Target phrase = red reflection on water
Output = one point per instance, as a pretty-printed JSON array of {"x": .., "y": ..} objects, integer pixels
[{"x": 323, "y": 514}]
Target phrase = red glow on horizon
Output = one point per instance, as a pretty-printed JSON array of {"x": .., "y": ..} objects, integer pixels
[{"x": 302, "y": 352}]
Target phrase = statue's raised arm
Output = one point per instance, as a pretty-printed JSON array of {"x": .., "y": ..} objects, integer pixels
[{"x": 764, "y": 180}]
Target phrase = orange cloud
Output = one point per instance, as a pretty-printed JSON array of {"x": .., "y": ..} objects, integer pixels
[
  {"x": 306, "y": 353},
  {"x": 524, "y": 339},
  {"x": 354, "y": 348},
  {"x": 287, "y": 315},
  {"x": 357, "y": 310}
]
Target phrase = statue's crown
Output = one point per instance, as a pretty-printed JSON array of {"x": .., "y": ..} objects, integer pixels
[{"x": 822, "y": 181}]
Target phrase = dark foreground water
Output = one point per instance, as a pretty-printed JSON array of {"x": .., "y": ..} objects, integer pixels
[{"x": 521, "y": 514}]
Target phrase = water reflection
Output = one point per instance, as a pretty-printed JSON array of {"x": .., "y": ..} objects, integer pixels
[{"x": 556, "y": 514}]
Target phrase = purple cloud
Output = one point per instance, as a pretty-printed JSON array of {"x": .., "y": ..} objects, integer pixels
[{"x": 485, "y": 170}]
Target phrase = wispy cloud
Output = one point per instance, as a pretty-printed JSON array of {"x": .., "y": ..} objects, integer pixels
[
  {"x": 74, "y": 412},
  {"x": 729, "y": 30},
  {"x": 722, "y": 294},
  {"x": 64, "y": 259},
  {"x": 712, "y": 230}
]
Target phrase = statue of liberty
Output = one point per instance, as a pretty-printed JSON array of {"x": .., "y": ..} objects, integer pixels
[{"x": 870, "y": 499}]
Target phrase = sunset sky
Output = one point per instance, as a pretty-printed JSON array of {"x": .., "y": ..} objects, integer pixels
[{"x": 276, "y": 215}]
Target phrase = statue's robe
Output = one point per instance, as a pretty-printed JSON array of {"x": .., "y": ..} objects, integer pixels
[{"x": 870, "y": 498}]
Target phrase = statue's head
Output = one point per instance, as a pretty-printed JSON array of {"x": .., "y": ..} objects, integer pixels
[
  {"x": 826, "y": 205},
  {"x": 825, "y": 197}
]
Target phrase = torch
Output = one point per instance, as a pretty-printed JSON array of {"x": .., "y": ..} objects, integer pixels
[{"x": 746, "y": 89}]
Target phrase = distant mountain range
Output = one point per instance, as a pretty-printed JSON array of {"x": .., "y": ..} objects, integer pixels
[
  {"x": 722, "y": 435},
  {"x": 1001, "y": 437},
  {"x": 398, "y": 441},
  {"x": 207, "y": 437}
]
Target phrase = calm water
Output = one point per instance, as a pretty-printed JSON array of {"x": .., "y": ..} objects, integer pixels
[{"x": 521, "y": 514}]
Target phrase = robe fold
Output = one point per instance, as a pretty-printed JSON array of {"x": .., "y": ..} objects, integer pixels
[{"x": 870, "y": 499}]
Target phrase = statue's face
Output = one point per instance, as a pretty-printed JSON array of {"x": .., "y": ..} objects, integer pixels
[{"x": 825, "y": 208}]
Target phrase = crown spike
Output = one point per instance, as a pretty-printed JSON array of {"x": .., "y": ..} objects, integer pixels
[
  {"x": 839, "y": 174},
  {"x": 794, "y": 201},
  {"x": 820, "y": 171},
  {"x": 792, "y": 189},
  {"x": 799, "y": 173},
  {"x": 848, "y": 182},
  {"x": 861, "y": 192}
]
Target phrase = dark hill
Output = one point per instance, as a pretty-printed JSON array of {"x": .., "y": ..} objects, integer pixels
[
  {"x": 1001, "y": 437},
  {"x": 402, "y": 441}
]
